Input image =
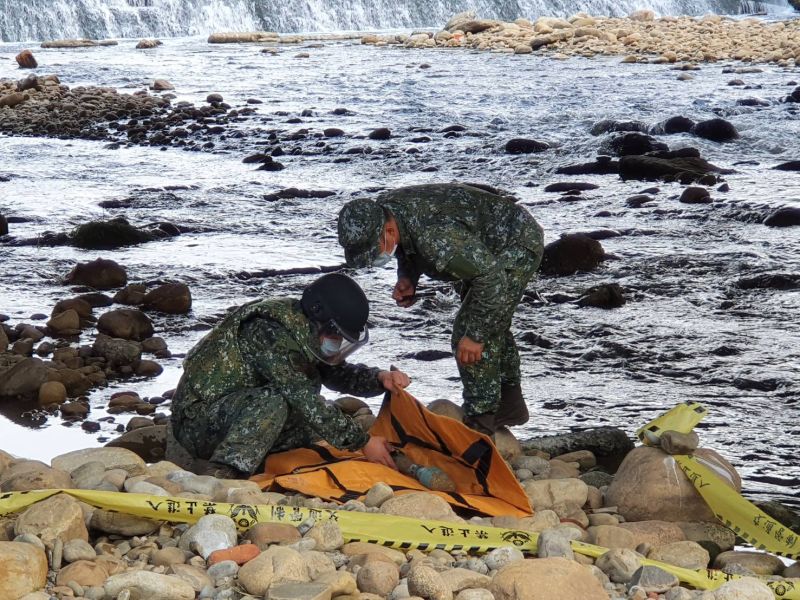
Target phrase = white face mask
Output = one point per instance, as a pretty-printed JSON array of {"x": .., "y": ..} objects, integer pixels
[
  {"x": 330, "y": 347},
  {"x": 384, "y": 257}
]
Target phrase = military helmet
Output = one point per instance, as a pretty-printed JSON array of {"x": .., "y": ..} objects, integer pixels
[
  {"x": 338, "y": 306},
  {"x": 360, "y": 225}
]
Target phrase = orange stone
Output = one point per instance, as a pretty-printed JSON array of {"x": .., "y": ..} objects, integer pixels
[{"x": 239, "y": 554}]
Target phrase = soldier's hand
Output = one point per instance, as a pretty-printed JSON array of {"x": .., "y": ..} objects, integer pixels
[
  {"x": 394, "y": 381},
  {"x": 469, "y": 351},
  {"x": 404, "y": 292},
  {"x": 378, "y": 450}
]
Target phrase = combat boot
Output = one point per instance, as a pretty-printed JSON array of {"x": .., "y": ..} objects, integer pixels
[{"x": 512, "y": 410}]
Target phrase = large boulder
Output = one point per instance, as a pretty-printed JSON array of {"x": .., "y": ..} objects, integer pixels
[
  {"x": 115, "y": 233},
  {"x": 547, "y": 494},
  {"x": 111, "y": 458},
  {"x": 58, "y": 517},
  {"x": 170, "y": 298},
  {"x": 27, "y": 475},
  {"x": 23, "y": 378},
  {"x": 277, "y": 564},
  {"x": 788, "y": 216},
  {"x": 23, "y": 569},
  {"x": 570, "y": 254},
  {"x": 101, "y": 274},
  {"x": 127, "y": 324},
  {"x": 546, "y": 579},
  {"x": 525, "y": 146},
  {"x": 631, "y": 144},
  {"x": 650, "y": 485},
  {"x": 717, "y": 130},
  {"x": 667, "y": 167}
]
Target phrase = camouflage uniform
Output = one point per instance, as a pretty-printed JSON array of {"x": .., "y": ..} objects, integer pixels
[
  {"x": 488, "y": 244},
  {"x": 251, "y": 387}
]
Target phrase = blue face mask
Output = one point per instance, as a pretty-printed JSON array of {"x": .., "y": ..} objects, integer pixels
[
  {"x": 330, "y": 347},
  {"x": 384, "y": 258}
]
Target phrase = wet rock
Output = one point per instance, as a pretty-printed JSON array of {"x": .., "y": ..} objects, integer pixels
[
  {"x": 117, "y": 352},
  {"x": 525, "y": 146},
  {"x": 83, "y": 308},
  {"x": 716, "y": 130},
  {"x": 22, "y": 378},
  {"x": 148, "y": 44},
  {"x": 59, "y": 517},
  {"x": 775, "y": 281},
  {"x": 332, "y": 132},
  {"x": 74, "y": 410},
  {"x": 570, "y": 254},
  {"x": 26, "y": 60},
  {"x": 630, "y": 144},
  {"x": 170, "y": 298},
  {"x": 695, "y": 195},
  {"x": 382, "y": 133},
  {"x": 792, "y": 165},
  {"x": 52, "y": 392},
  {"x": 293, "y": 192},
  {"x": 608, "y": 444},
  {"x": 610, "y": 126},
  {"x": 778, "y": 511},
  {"x": 13, "y": 99},
  {"x": 101, "y": 274},
  {"x": 428, "y": 355},
  {"x": 116, "y": 233},
  {"x": 3, "y": 225},
  {"x": 639, "y": 494},
  {"x": 653, "y": 580},
  {"x": 420, "y": 505},
  {"x": 685, "y": 169},
  {"x": 757, "y": 562},
  {"x": 144, "y": 584},
  {"x": 570, "y": 186},
  {"x": 608, "y": 295},
  {"x": 602, "y": 166},
  {"x": 126, "y": 324},
  {"x": 788, "y": 216},
  {"x": 132, "y": 294},
  {"x": 686, "y": 554},
  {"x": 378, "y": 577},
  {"x": 161, "y": 85},
  {"x": 672, "y": 126},
  {"x": 65, "y": 323},
  {"x": 551, "y": 578},
  {"x": 210, "y": 533},
  {"x": 149, "y": 443},
  {"x": 23, "y": 569}
]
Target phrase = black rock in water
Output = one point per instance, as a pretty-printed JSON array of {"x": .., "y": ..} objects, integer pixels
[
  {"x": 610, "y": 126},
  {"x": 569, "y": 186},
  {"x": 608, "y": 444},
  {"x": 672, "y": 125},
  {"x": 570, "y": 254},
  {"x": 784, "y": 217},
  {"x": 630, "y": 144},
  {"x": 382, "y": 133},
  {"x": 716, "y": 130},
  {"x": 525, "y": 146},
  {"x": 792, "y": 165},
  {"x": 602, "y": 166},
  {"x": 775, "y": 281},
  {"x": 667, "y": 169},
  {"x": 428, "y": 355},
  {"x": 608, "y": 295},
  {"x": 695, "y": 195}
]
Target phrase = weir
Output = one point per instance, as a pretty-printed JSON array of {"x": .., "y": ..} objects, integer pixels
[{"x": 23, "y": 20}]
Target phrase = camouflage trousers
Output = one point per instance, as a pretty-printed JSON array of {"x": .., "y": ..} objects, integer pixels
[
  {"x": 500, "y": 365},
  {"x": 239, "y": 429}
]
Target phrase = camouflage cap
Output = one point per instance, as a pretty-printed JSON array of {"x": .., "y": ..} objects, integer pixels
[{"x": 360, "y": 225}]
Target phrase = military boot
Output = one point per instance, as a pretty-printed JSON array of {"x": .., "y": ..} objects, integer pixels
[
  {"x": 512, "y": 410},
  {"x": 484, "y": 423}
]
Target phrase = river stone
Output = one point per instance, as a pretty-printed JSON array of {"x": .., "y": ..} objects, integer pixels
[
  {"x": 378, "y": 578},
  {"x": 608, "y": 444},
  {"x": 101, "y": 274},
  {"x": 127, "y": 324},
  {"x": 546, "y": 579},
  {"x": 743, "y": 589},
  {"x": 121, "y": 524},
  {"x": 112, "y": 458},
  {"x": 264, "y": 534},
  {"x": 462, "y": 579},
  {"x": 166, "y": 557},
  {"x": 419, "y": 505},
  {"x": 23, "y": 378},
  {"x": 619, "y": 564},
  {"x": 27, "y": 475},
  {"x": 59, "y": 517},
  {"x": 77, "y": 549},
  {"x": 675, "y": 442},
  {"x": 553, "y": 543},
  {"x": 88, "y": 475},
  {"x": 149, "y": 443},
  {"x": 210, "y": 533},
  {"x": 570, "y": 254},
  {"x": 757, "y": 562},
  {"x": 501, "y": 557},
  {"x": 535, "y": 464},
  {"x": 787, "y": 216},
  {"x": 52, "y": 392},
  {"x": 651, "y": 486},
  {"x": 357, "y": 548},
  {"x": 655, "y": 533},
  {"x": 702, "y": 532},
  {"x": 611, "y": 536},
  {"x": 653, "y": 579},
  {"x": 378, "y": 494},
  {"x": 689, "y": 555},
  {"x": 549, "y": 493},
  {"x": 85, "y": 573},
  {"x": 23, "y": 569},
  {"x": 447, "y": 408},
  {"x": 277, "y": 564},
  {"x": 170, "y": 298},
  {"x": 425, "y": 582},
  {"x": 585, "y": 458},
  {"x": 327, "y": 535},
  {"x": 144, "y": 585},
  {"x": 194, "y": 576},
  {"x": 318, "y": 563}
]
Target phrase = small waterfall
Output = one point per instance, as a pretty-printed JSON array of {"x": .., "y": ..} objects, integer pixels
[{"x": 22, "y": 20}]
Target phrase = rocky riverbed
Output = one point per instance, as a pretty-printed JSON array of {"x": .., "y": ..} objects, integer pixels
[{"x": 64, "y": 548}]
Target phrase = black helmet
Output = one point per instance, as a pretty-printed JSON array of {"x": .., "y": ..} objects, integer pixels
[{"x": 337, "y": 302}]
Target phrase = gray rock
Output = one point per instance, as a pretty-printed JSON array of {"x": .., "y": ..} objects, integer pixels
[
  {"x": 553, "y": 542},
  {"x": 78, "y": 549},
  {"x": 89, "y": 475},
  {"x": 210, "y": 533},
  {"x": 500, "y": 557},
  {"x": 117, "y": 352},
  {"x": 653, "y": 579},
  {"x": 619, "y": 564},
  {"x": 678, "y": 593},
  {"x": 675, "y": 442},
  {"x": 220, "y": 570},
  {"x": 23, "y": 378},
  {"x": 609, "y": 444},
  {"x": 378, "y": 494},
  {"x": 535, "y": 464}
]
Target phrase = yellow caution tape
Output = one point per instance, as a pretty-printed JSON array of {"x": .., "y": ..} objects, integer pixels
[
  {"x": 682, "y": 418},
  {"x": 402, "y": 533}
]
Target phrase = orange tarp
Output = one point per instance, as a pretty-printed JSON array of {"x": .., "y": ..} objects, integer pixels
[{"x": 484, "y": 482}]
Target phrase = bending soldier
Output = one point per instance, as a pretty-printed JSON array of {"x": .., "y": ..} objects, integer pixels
[
  {"x": 251, "y": 386},
  {"x": 487, "y": 244}
]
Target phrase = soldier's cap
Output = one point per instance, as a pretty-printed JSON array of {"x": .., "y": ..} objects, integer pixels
[{"x": 360, "y": 225}]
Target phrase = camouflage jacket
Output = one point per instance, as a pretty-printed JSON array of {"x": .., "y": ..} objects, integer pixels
[
  {"x": 457, "y": 232},
  {"x": 271, "y": 344}
]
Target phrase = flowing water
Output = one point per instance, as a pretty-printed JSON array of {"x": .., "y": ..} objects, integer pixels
[
  {"x": 686, "y": 333},
  {"x": 49, "y": 19}
]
